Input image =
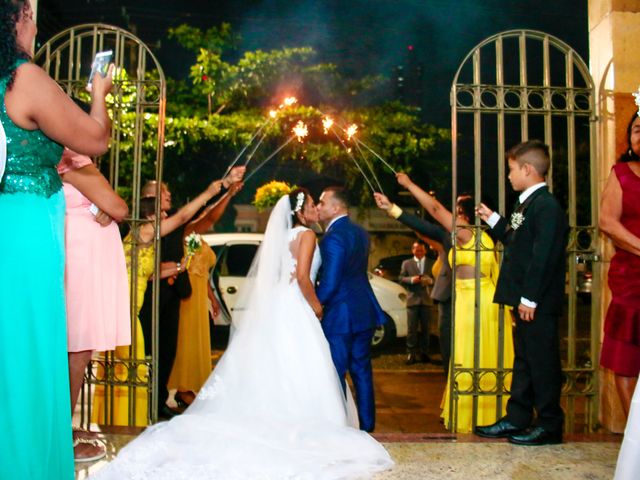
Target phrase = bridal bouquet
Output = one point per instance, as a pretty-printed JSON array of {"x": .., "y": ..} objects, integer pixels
[
  {"x": 269, "y": 194},
  {"x": 193, "y": 243}
]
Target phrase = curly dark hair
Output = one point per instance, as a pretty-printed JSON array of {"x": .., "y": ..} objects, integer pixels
[
  {"x": 629, "y": 155},
  {"x": 467, "y": 207},
  {"x": 10, "y": 12}
]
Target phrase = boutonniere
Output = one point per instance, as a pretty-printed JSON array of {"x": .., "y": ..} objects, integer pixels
[{"x": 517, "y": 218}]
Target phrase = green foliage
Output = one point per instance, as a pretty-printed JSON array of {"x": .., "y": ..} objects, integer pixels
[
  {"x": 215, "y": 39},
  {"x": 214, "y": 114}
]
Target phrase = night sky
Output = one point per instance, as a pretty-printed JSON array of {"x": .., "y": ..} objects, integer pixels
[{"x": 363, "y": 37}]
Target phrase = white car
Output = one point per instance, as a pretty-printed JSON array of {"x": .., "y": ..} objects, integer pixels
[{"x": 235, "y": 252}]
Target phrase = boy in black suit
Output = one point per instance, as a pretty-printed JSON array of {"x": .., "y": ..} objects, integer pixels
[{"x": 531, "y": 281}]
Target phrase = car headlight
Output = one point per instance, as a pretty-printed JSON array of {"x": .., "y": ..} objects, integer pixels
[{"x": 403, "y": 297}]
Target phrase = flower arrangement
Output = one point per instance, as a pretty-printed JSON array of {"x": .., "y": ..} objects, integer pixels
[
  {"x": 193, "y": 241},
  {"x": 193, "y": 244},
  {"x": 517, "y": 218},
  {"x": 268, "y": 194}
]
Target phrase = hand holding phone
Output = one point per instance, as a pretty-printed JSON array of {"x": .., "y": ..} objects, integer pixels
[{"x": 100, "y": 65}]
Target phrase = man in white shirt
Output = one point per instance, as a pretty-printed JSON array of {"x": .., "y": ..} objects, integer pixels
[{"x": 414, "y": 276}]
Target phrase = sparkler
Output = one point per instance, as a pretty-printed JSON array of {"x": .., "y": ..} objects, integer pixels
[
  {"x": 327, "y": 122},
  {"x": 348, "y": 150},
  {"x": 244, "y": 149},
  {"x": 299, "y": 131},
  {"x": 253, "y": 151},
  {"x": 351, "y": 131},
  {"x": 386, "y": 164},
  {"x": 287, "y": 102},
  {"x": 368, "y": 164}
]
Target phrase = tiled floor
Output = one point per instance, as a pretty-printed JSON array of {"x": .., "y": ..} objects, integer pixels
[
  {"x": 420, "y": 458},
  {"x": 407, "y": 404}
]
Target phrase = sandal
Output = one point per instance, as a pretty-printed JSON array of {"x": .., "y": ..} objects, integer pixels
[
  {"x": 82, "y": 433},
  {"x": 102, "y": 449}
]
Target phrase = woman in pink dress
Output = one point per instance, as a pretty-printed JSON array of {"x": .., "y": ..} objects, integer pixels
[
  {"x": 95, "y": 277},
  {"x": 620, "y": 221}
]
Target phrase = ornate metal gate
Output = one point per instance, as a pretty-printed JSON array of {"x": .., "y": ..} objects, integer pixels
[
  {"x": 137, "y": 108},
  {"x": 514, "y": 86}
]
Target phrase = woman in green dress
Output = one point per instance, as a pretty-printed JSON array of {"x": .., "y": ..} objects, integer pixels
[{"x": 37, "y": 118}]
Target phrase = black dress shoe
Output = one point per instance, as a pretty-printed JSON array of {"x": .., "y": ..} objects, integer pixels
[
  {"x": 536, "y": 436},
  {"x": 424, "y": 358},
  {"x": 501, "y": 429},
  {"x": 167, "y": 413},
  {"x": 411, "y": 359}
]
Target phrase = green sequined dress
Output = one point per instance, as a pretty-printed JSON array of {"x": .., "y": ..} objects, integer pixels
[{"x": 35, "y": 417}]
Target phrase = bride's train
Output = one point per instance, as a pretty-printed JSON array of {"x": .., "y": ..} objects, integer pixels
[{"x": 272, "y": 409}]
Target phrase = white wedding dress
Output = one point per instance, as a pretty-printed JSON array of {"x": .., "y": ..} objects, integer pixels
[
  {"x": 273, "y": 408},
  {"x": 628, "y": 466}
]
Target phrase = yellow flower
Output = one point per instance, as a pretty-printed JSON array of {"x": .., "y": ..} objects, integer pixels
[{"x": 268, "y": 194}]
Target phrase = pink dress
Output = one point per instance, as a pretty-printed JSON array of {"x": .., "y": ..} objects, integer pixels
[{"x": 96, "y": 282}]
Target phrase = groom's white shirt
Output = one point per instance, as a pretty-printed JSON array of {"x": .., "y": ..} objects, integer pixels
[{"x": 334, "y": 221}]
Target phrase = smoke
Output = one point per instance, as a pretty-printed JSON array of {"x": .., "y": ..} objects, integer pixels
[{"x": 372, "y": 37}]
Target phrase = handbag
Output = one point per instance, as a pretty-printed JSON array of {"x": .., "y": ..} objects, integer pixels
[{"x": 182, "y": 285}]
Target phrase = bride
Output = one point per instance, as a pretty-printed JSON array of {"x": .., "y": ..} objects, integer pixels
[{"x": 274, "y": 407}]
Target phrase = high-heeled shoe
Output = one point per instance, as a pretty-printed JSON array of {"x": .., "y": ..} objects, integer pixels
[{"x": 181, "y": 401}]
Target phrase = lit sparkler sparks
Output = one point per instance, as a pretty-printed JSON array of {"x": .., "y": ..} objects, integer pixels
[
  {"x": 300, "y": 130},
  {"x": 327, "y": 123},
  {"x": 351, "y": 131},
  {"x": 273, "y": 113},
  {"x": 287, "y": 102}
]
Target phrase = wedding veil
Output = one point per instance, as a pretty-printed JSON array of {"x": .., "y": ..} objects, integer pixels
[{"x": 268, "y": 269}]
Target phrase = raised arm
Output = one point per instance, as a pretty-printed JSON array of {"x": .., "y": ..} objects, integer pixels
[
  {"x": 37, "y": 102},
  {"x": 306, "y": 248},
  {"x": 419, "y": 225},
  {"x": 497, "y": 223},
  {"x": 438, "y": 211},
  {"x": 212, "y": 213},
  {"x": 183, "y": 215},
  {"x": 610, "y": 214}
]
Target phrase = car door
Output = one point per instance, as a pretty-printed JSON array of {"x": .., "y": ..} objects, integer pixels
[{"x": 234, "y": 261}]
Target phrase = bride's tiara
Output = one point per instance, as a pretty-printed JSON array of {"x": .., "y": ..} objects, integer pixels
[
  {"x": 299, "y": 202},
  {"x": 636, "y": 95}
]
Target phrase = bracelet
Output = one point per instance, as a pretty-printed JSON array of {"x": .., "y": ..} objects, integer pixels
[{"x": 178, "y": 266}]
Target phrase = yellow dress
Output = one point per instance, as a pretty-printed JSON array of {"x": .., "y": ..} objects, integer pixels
[
  {"x": 120, "y": 395},
  {"x": 192, "y": 364},
  {"x": 464, "y": 338}
]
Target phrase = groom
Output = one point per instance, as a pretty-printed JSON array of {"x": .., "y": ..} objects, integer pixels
[{"x": 351, "y": 311}]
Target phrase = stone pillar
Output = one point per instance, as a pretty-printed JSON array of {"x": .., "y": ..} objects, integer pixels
[{"x": 614, "y": 34}]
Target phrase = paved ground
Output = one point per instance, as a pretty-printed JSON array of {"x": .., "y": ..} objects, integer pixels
[{"x": 408, "y": 424}]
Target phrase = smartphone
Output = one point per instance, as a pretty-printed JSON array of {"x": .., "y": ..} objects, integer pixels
[
  {"x": 93, "y": 208},
  {"x": 100, "y": 64}
]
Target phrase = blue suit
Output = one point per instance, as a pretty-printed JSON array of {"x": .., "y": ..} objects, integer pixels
[{"x": 351, "y": 311}]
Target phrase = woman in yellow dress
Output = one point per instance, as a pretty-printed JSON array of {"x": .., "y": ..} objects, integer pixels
[
  {"x": 192, "y": 364},
  {"x": 121, "y": 395},
  {"x": 465, "y": 302}
]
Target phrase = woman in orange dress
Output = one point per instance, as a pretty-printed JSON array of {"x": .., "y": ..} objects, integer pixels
[{"x": 192, "y": 365}]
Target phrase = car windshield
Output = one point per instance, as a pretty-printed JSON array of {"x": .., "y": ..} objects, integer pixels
[{"x": 235, "y": 260}]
